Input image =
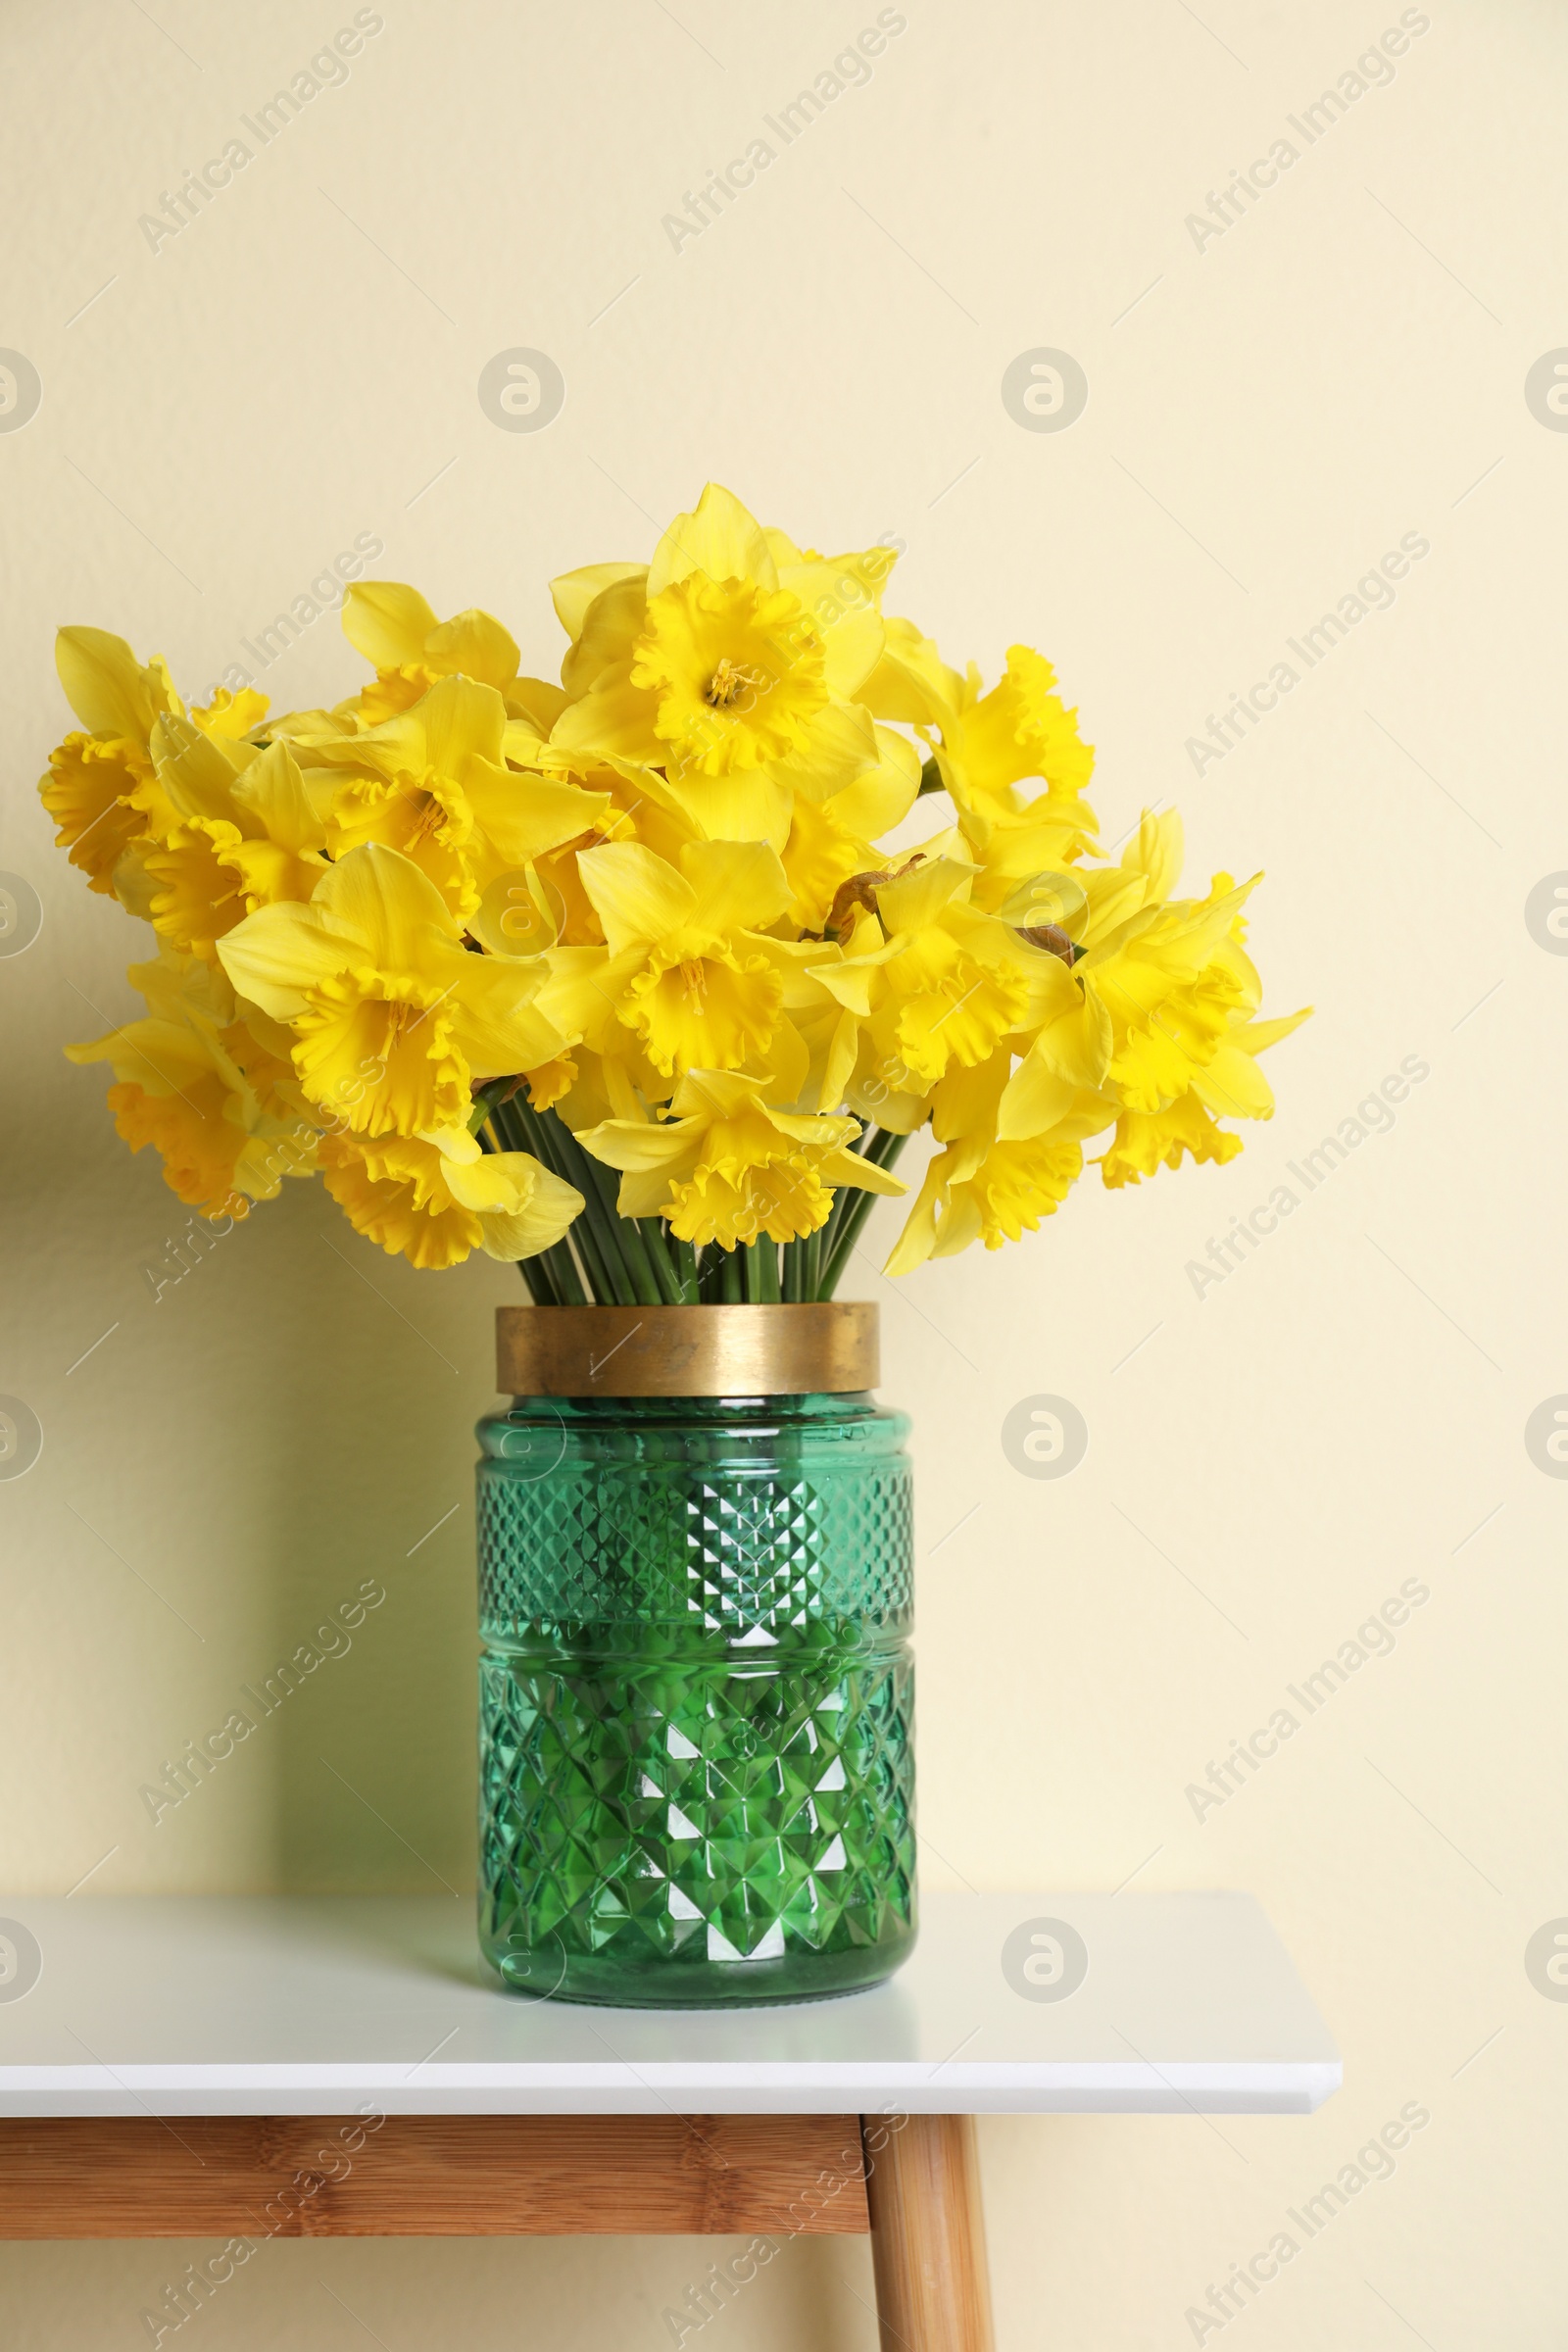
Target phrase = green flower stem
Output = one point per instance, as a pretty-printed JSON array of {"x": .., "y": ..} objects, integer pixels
[
  {"x": 688, "y": 1269},
  {"x": 598, "y": 1186},
  {"x": 827, "y": 1234},
  {"x": 760, "y": 1271},
  {"x": 563, "y": 1268},
  {"x": 884, "y": 1150},
  {"x": 607, "y": 1228},
  {"x": 620, "y": 1238},
  {"x": 658, "y": 1257},
  {"x": 538, "y": 1280},
  {"x": 795, "y": 1270},
  {"x": 730, "y": 1278},
  {"x": 484, "y": 1103}
]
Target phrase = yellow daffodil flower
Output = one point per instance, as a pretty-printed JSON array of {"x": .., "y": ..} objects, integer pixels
[
  {"x": 991, "y": 743},
  {"x": 717, "y": 659},
  {"x": 100, "y": 786},
  {"x": 435, "y": 1199},
  {"x": 728, "y": 1167},
  {"x": 196, "y": 1083},
  {"x": 393, "y": 1021},
  {"x": 985, "y": 1189},
  {"x": 397, "y": 631},
  {"x": 932, "y": 982},
  {"x": 434, "y": 782},
  {"x": 689, "y": 966},
  {"x": 234, "y": 829},
  {"x": 996, "y": 1179},
  {"x": 93, "y": 775}
]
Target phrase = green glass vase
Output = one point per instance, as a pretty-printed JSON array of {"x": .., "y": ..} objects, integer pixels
[{"x": 696, "y": 1711}]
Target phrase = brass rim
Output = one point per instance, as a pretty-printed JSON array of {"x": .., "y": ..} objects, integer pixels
[{"x": 827, "y": 1348}]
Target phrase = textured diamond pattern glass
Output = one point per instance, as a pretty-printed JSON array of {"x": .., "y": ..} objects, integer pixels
[{"x": 697, "y": 1770}]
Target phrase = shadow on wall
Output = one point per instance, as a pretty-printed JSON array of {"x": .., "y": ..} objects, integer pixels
[
  {"x": 378, "y": 1375},
  {"x": 274, "y": 1436}
]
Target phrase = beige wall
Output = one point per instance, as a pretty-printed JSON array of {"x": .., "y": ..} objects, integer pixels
[{"x": 1337, "y": 1415}]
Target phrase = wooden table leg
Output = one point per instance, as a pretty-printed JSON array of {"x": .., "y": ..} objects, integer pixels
[{"x": 928, "y": 2239}]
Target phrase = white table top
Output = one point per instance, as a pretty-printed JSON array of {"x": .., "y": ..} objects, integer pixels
[{"x": 239, "y": 2005}]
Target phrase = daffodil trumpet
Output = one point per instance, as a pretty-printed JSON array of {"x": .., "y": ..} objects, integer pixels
[{"x": 644, "y": 980}]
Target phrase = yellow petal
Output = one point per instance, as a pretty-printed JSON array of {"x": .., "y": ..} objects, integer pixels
[
  {"x": 614, "y": 718},
  {"x": 522, "y": 816},
  {"x": 919, "y": 896},
  {"x": 608, "y": 631},
  {"x": 386, "y": 621},
  {"x": 719, "y": 538},
  {"x": 108, "y": 688},
  {"x": 1036, "y": 1097},
  {"x": 713, "y": 1094},
  {"x": 497, "y": 1022},
  {"x": 572, "y": 593},
  {"x": 1076, "y": 1045},
  {"x": 460, "y": 719},
  {"x": 1155, "y": 851},
  {"x": 272, "y": 791},
  {"x": 820, "y": 857},
  {"x": 1254, "y": 1035},
  {"x": 883, "y": 796},
  {"x": 911, "y": 682},
  {"x": 636, "y": 895},
  {"x": 918, "y": 1239},
  {"x": 585, "y": 988},
  {"x": 841, "y": 594},
  {"x": 231, "y": 714},
  {"x": 476, "y": 644},
  {"x": 380, "y": 898},
  {"x": 642, "y": 1146},
  {"x": 196, "y": 773},
  {"x": 748, "y": 805},
  {"x": 838, "y": 744},
  {"x": 859, "y": 1174},
  {"x": 738, "y": 885},
  {"x": 521, "y": 1207},
  {"x": 536, "y": 703},
  {"x": 269, "y": 871},
  {"x": 373, "y": 907},
  {"x": 1232, "y": 1086}
]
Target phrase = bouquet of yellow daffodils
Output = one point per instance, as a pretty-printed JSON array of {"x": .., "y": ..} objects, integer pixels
[{"x": 611, "y": 977}]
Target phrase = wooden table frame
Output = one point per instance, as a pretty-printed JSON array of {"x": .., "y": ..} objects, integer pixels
[{"x": 910, "y": 2179}]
